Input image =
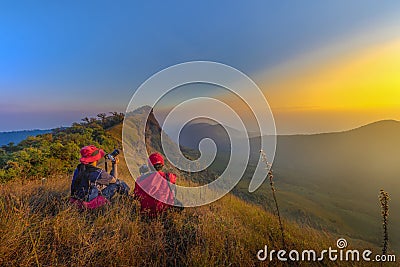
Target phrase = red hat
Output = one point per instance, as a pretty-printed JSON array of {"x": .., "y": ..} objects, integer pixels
[
  {"x": 91, "y": 154},
  {"x": 156, "y": 158}
]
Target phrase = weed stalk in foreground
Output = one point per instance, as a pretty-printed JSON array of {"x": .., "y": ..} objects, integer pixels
[
  {"x": 271, "y": 182},
  {"x": 384, "y": 199}
]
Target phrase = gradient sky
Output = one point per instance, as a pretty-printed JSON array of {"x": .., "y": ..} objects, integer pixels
[{"x": 323, "y": 65}]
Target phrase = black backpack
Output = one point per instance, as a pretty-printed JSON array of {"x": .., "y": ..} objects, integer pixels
[{"x": 80, "y": 186}]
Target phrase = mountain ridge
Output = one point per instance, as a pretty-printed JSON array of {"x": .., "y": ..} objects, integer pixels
[
  {"x": 217, "y": 130},
  {"x": 379, "y": 123}
]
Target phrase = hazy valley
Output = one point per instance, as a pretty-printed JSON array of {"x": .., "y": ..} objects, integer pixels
[{"x": 330, "y": 181}]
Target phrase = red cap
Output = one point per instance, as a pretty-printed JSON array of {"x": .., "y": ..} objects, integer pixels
[
  {"x": 91, "y": 154},
  {"x": 156, "y": 158}
]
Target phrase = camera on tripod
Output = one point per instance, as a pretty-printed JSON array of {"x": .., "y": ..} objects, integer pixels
[{"x": 111, "y": 156}]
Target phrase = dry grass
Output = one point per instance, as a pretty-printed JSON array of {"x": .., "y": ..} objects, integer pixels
[{"x": 39, "y": 227}]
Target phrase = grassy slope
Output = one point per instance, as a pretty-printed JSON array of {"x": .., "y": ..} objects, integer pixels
[{"x": 39, "y": 227}]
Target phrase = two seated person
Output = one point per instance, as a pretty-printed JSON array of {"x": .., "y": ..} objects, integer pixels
[{"x": 93, "y": 187}]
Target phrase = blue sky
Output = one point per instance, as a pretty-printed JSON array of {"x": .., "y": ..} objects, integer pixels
[{"x": 63, "y": 60}]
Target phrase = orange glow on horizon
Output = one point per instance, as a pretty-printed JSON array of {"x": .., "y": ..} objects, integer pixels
[{"x": 364, "y": 85}]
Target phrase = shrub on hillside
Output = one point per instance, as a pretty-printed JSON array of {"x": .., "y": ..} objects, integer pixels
[{"x": 57, "y": 152}]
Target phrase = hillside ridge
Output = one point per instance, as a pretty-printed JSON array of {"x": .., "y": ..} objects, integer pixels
[{"x": 376, "y": 124}]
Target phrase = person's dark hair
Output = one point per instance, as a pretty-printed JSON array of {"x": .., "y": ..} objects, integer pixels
[{"x": 158, "y": 166}]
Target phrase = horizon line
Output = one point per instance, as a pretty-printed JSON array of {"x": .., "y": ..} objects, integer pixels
[{"x": 278, "y": 134}]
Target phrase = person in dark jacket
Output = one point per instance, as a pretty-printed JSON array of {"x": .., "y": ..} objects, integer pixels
[{"x": 91, "y": 186}]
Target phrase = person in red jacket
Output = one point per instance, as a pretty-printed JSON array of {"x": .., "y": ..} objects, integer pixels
[{"x": 156, "y": 190}]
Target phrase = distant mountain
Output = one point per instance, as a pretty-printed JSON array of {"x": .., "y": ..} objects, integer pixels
[
  {"x": 334, "y": 179},
  {"x": 330, "y": 181},
  {"x": 193, "y": 133},
  {"x": 371, "y": 151},
  {"x": 17, "y": 136}
]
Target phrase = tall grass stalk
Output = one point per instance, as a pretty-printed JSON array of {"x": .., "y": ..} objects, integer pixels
[
  {"x": 384, "y": 200},
  {"x": 271, "y": 182}
]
